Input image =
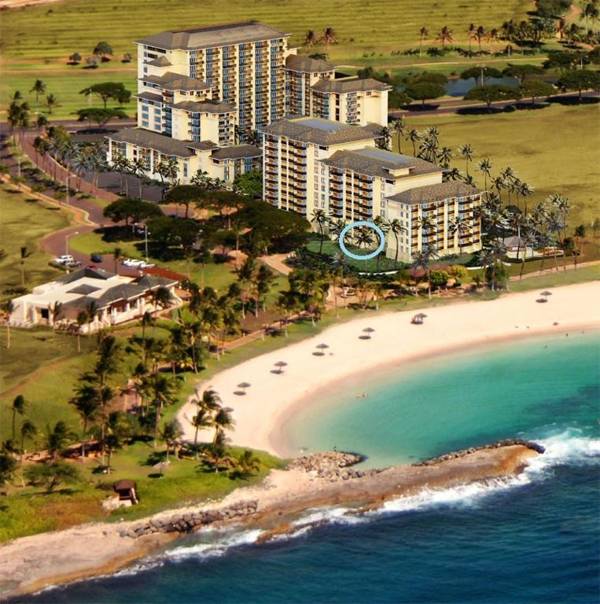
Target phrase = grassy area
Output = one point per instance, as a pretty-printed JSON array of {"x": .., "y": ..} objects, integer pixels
[
  {"x": 556, "y": 279},
  {"x": 552, "y": 149},
  {"x": 23, "y": 222},
  {"x": 30, "y": 511},
  {"x": 36, "y": 41}
]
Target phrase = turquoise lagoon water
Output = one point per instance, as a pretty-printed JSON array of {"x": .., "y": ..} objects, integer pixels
[
  {"x": 528, "y": 540},
  {"x": 524, "y": 388}
]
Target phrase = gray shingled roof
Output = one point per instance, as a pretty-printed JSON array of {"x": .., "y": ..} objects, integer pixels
[
  {"x": 437, "y": 192},
  {"x": 92, "y": 273},
  {"x": 176, "y": 81},
  {"x": 161, "y": 61},
  {"x": 350, "y": 85},
  {"x": 306, "y": 64},
  {"x": 377, "y": 162},
  {"x": 150, "y": 96},
  {"x": 237, "y": 152},
  {"x": 319, "y": 131},
  {"x": 152, "y": 281},
  {"x": 214, "y": 35},
  {"x": 207, "y": 107},
  {"x": 160, "y": 142},
  {"x": 125, "y": 291}
]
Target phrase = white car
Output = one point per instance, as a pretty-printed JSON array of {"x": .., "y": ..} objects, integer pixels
[
  {"x": 133, "y": 263},
  {"x": 65, "y": 259},
  {"x": 146, "y": 265}
]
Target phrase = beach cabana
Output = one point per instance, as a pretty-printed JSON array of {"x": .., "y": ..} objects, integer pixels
[{"x": 127, "y": 491}]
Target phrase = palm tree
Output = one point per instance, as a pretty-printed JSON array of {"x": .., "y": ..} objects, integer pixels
[
  {"x": 57, "y": 438},
  {"x": 479, "y": 35},
  {"x": 445, "y": 35},
  {"x": 161, "y": 297},
  {"x": 414, "y": 136},
  {"x": 39, "y": 87},
  {"x": 485, "y": 167},
  {"x": 444, "y": 157},
  {"x": 459, "y": 226},
  {"x": 222, "y": 421},
  {"x": 320, "y": 217},
  {"x": 8, "y": 308},
  {"x": 201, "y": 420},
  {"x": 396, "y": 228},
  {"x": 310, "y": 39},
  {"x": 210, "y": 401},
  {"x": 398, "y": 126},
  {"x": 170, "y": 434},
  {"x": 246, "y": 465},
  {"x": 87, "y": 404},
  {"x": 28, "y": 431},
  {"x": 162, "y": 391},
  {"x": 423, "y": 33},
  {"x": 51, "y": 101},
  {"x": 17, "y": 407},
  {"x": 423, "y": 259},
  {"x": 364, "y": 237},
  {"x": 329, "y": 36},
  {"x": 471, "y": 34},
  {"x": 466, "y": 152}
]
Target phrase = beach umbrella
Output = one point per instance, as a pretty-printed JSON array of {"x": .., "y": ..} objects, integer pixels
[
  {"x": 368, "y": 330},
  {"x": 244, "y": 385},
  {"x": 322, "y": 346},
  {"x": 239, "y": 392},
  {"x": 280, "y": 365},
  {"x": 546, "y": 293}
]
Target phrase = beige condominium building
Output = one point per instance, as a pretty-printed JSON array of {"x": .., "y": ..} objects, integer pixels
[
  {"x": 315, "y": 164},
  {"x": 203, "y": 91},
  {"x": 312, "y": 89}
]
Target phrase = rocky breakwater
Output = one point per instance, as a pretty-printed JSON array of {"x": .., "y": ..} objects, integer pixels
[
  {"x": 190, "y": 521},
  {"x": 331, "y": 465}
]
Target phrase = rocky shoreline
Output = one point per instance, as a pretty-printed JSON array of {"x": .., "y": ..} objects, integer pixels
[{"x": 314, "y": 481}]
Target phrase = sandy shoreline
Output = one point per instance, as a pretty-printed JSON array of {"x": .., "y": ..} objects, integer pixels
[{"x": 272, "y": 399}]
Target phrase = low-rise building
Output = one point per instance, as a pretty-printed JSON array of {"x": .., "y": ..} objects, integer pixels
[{"x": 106, "y": 298}]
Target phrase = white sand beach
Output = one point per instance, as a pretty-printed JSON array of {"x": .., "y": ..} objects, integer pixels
[{"x": 271, "y": 397}]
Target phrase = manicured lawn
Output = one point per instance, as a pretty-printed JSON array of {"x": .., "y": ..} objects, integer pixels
[
  {"x": 553, "y": 149},
  {"x": 38, "y": 40},
  {"x": 556, "y": 279},
  {"x": 23, "y": 222}
]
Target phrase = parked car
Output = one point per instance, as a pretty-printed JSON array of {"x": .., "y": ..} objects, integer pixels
[
  {"x": 65, "y": 259},
  {"x": 96, "y": 258},
  {"x": 146, "y": 265},
  {"x": 132, "y": 263}
]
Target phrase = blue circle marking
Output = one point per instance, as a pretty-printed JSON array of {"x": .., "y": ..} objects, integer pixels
[{"x": 366, "y": 223}]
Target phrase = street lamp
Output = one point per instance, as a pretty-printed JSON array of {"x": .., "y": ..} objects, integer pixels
[
  {"x": 146, "y": 241},
  {"x": 67, "y": 237}
]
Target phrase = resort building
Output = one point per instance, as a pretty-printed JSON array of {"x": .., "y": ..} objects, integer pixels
[
  {"x": 314, "y": 164},
  {"x": 203, "y": 91},
  {"x": 106, "y": 298}
]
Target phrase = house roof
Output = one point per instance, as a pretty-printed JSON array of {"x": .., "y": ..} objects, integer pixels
[
  {"x": 206, "y": 107},
  {"x": 162, "y": 143},
  {"x": 176, "y": 81},
  {"x": 237, "y": 152},
  {"x": 124, "y": 291},
  {"x": 378, "y": 162},
  {"x": 319, "y": 131},
  {"x": 437, "y": 192},
  {"x": 92, "y": 273},
  {"x": 150, "y": 96},
  {"x": 151, "y": 281},
  {"x": 350, "y": 85},
  {"x": 213, "y": 35},
  {"x": 161, "y": 61},
  {"x": 306, "y": 64}
]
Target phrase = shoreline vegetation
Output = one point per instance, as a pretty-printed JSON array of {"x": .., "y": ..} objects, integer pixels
[{"x": 32, "y": 563}]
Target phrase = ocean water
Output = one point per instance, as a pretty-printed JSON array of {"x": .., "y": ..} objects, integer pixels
[{"x": 533, "y": 538}]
